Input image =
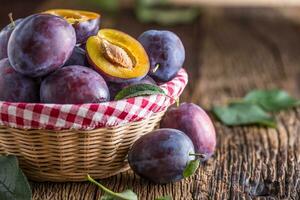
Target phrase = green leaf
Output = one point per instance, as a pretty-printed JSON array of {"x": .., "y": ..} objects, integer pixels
[
  {"x": 243, "y": 114},
  {"x": 13, "y": 183},
  {"x": 164, "y": 198},
  {"x": 166, "y": 16},
  {"x": 110, "y": 195},
  {"x": 191, "y": 168},
  {"x": 271, "y": 100},
  {"x": 139, "y": 90}
]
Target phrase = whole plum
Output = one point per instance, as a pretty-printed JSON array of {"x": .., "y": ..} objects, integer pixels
[
  {"x": 114, "y": 88},
  {"x": 166, "y": 53},
  {"x": 74, "y": 85},
  {"x": 78, "y": 57},
  {"x": 161, "y": 155},
  {"x": 16, "y": 87},
  {"x": 4, "y": 37},
  {"x": 194, "y": 122},
  {"x": 40, "y": 44}
]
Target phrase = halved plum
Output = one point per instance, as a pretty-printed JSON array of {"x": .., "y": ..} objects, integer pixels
[
  {"x": 85, "y": 23},
  {"x": 117, "y": 56}
]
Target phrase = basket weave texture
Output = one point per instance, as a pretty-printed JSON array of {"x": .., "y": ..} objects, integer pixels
[{"x": 71, "y": 151}]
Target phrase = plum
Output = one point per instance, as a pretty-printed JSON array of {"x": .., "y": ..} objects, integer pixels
[
  {"x": 16, "y": 87},
  {"x": 78, "y": 57},
  {"x": 74, "y": 85},
  {"x": 4, "y": 37},
  {"x": 114, "y": 88},
  {"x": 166, "y": 53},
  {"x": 85, "y": 23},
  {"x": 117, "y": 56},
  {"x": 194, "y": 122},
  {"x": 161, "y": 155},
  {"x": 40, "y": 44}
]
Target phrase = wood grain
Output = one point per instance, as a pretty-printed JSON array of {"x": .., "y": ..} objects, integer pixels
[{"x": 229, "y": 52}]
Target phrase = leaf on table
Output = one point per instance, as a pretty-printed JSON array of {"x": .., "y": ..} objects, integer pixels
[
  {"x": 191, "y": 168},
  {"x": 110, "y": 195},
  {"x": 164, "y": 198},
  {"x": 243, "y": 114},
  {"x": 271, "y": 100},
  {"x": 139, "y": 90},
  {"x": 13, "y": 183}
]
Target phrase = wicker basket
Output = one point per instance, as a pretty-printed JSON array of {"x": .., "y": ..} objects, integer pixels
[
  {"x": 65, "y": 142},
  {"x": 71, "y": 155}
]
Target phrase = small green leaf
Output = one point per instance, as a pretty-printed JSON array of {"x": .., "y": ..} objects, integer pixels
[
  {"x": 243, "y": 114},
  {"x": 13, "y": 183},
  {"x": 271, "y": 100},
  {"x": 110, "y": 195},
  {"x": 139, "y": 90},
  {"x": 164, "y": 198},
  {"x": 191, "y": 168}
]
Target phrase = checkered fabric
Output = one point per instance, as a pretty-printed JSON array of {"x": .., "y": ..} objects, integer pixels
[{"x": 90, "y": 116}]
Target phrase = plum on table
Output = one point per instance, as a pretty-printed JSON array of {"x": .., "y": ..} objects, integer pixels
[
  {"x": 74, "y": 85},
  {"x": 161, "y": 155},
  {"x": 16, "y": 87},
  {"x": 166, "y": 53},
  {"x": 40, "y": 44},
  {"x": 196, "y": 124},
  {"x": 117, "y": 56},
  {"x": 85, "y": 23}
]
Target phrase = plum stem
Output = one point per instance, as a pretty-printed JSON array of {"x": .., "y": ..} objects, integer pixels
[
  {"x": 198, "y": 155},
  {"x": 10, "y": 15},
  {"x": 156, "y": 67},
  {"x": 177, "y": 102}
]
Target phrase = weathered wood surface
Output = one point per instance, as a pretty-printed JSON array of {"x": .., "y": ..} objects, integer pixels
[{"x": 229, "y": 52}]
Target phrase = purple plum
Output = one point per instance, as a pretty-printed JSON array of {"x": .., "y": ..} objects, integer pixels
[
  {"x": 196, "y": 124},
  {"x": 161, "y": 155},
  {"x": 166, "y": 53},
  {"x": 40, "y": 44},
  {"x": 4, "y": 37},
  {"x": 74, "y": 85},
  {"x": 16, "y": 87}
]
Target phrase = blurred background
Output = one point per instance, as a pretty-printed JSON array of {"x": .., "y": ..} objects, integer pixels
[{"x": 187, "y": 18}]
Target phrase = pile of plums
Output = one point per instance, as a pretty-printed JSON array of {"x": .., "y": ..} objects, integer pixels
[
  {"x": 186, "y": 133},
  {"x": 60, "y": 56}
]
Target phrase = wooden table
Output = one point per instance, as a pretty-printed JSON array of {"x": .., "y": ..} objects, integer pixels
[{"x": 229, "y": 52}]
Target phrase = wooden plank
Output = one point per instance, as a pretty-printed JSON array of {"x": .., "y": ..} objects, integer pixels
[{"x": 229, "y": 52}]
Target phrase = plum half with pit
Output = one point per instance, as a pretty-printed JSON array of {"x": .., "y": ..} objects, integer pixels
[
  {"x": 40, "y": 44},
  {"x": 85, "y": 23},
  {"x": 117, "y": 56},
  {"x": 161, "y": 156},
  {"x": 4, "y": 37},
  {"x": 16, "y": 87},
  {"x": 166, "y": 53},
  {"x": 74, "y": 85},
  {"x": 114, "y": 88},
  {"x": 195, "y": 123}
]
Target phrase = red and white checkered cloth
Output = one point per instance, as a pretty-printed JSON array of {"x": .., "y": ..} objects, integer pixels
[{"x": 92, "y": 115}]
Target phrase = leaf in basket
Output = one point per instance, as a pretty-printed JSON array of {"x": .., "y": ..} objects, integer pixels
[
  {"x": 13, "y": 183},
  {"x": 139, "y": 90},
  {"x": 110, "y": 195}
]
